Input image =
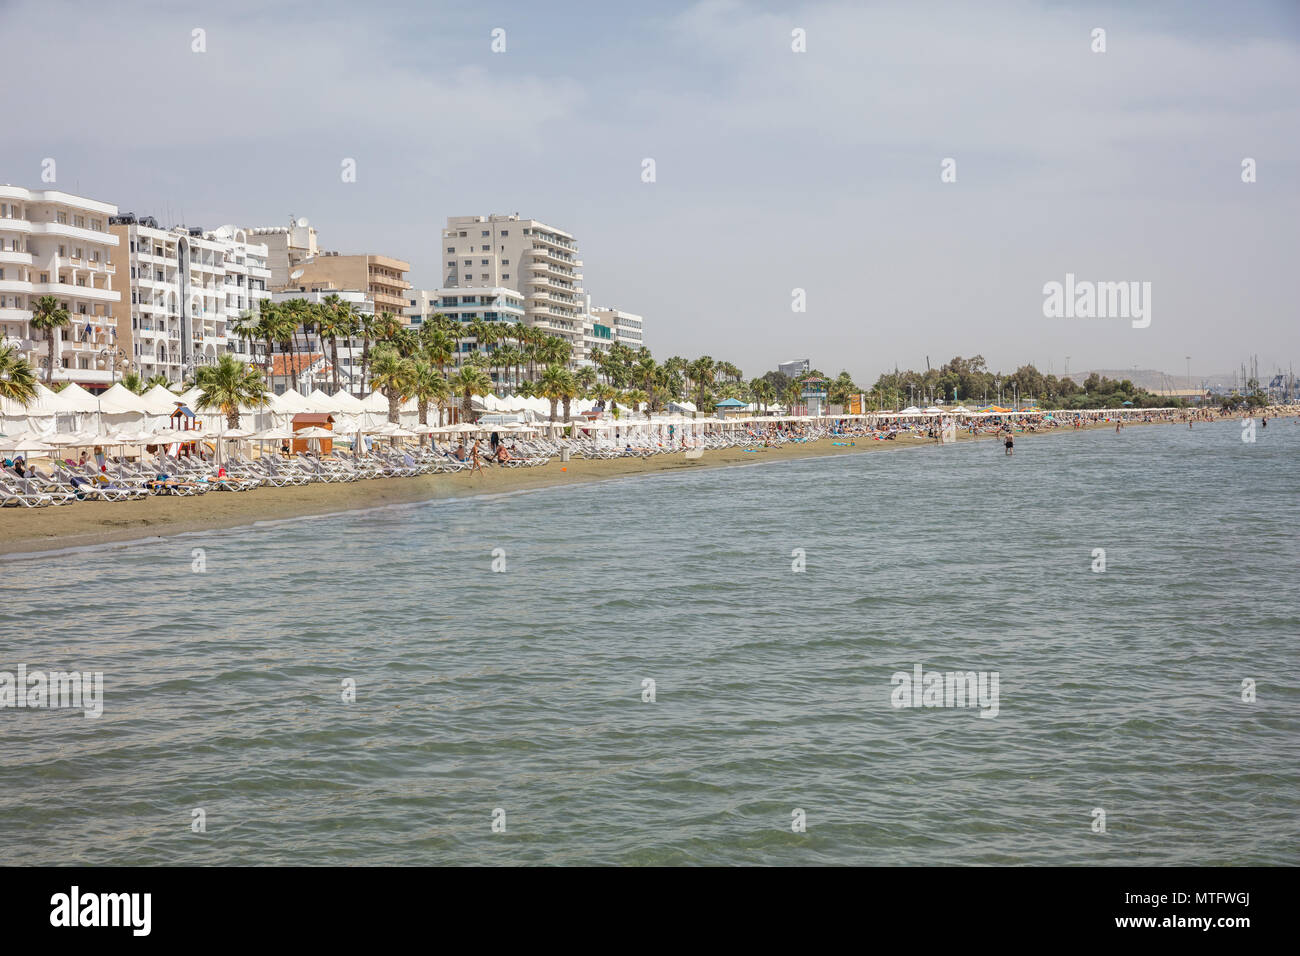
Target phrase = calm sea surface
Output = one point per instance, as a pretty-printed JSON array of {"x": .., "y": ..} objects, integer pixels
[{"x": 522, "y": 690}]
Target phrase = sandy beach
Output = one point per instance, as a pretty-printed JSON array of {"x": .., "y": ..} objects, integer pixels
[{"x": 89, "y": 523}]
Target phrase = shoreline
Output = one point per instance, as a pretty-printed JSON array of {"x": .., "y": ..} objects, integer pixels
[{"x": 94, "y": 523}]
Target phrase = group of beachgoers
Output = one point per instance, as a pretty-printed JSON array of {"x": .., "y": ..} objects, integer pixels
[{"x": 195, "y": 468}]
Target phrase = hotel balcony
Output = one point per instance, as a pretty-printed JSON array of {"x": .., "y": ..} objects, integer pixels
[{"x": 76, "y": 291}]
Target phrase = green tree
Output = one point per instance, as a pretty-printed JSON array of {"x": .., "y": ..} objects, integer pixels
[
  {"x": 48, "y": 316},
  {"x": 392, "y": 375},
  {"x": 17, "y": 378},
  {"x": 228, "y": 385}
]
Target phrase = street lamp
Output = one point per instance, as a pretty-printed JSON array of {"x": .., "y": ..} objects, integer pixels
[{"x": 119, "y": 359}]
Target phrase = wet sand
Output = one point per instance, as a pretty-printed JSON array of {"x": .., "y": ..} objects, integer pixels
[{"x": 87, "y": 523}]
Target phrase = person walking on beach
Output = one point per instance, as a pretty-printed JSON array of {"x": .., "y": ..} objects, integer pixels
[{"x": 473, "y": 459}]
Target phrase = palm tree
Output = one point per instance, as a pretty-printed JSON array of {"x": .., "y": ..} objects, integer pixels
[
  {"x": 228, "y": 385},
  {"x": 299, "y": 313},
  {"x": 569, "y": 391},
  {"x": 17, "y": 379},
  {"x": 508, "y": 359},
  {"x": 429, "y": 385},
  {"x": 605, "y": 393},
  {"x": 157, "y": 380},
  {"x": 47, "y": 316},
  {"x": 392, "y": 375},
  {"x": 132, "y": 382},
  {"x": 248, "y": 328},
  {"x": 586, "y": 377},
  {"x": 284, "y": 329},
  {"x": 366, "y": 326},
  {"x": 635, "y": 397},
  {"x": 268, "y": 322},
  {"x": 554, "y": 385},
  {"x": 469, "y": 381},
  {"x": 439, "y": 348},
  {"x": 701, "y": 372},
  {"x": 336, "y": 319}
]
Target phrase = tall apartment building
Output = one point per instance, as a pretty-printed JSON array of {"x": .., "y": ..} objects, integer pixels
[
  {"x": 525, "y": 255},
  {"x": 54, "y": 243},
  {"x": 187, "y": 288},
  {"x": 382, "y": 276}
]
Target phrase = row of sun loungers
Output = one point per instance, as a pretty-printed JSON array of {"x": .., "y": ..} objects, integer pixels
[{"x": 127, "y": 480}]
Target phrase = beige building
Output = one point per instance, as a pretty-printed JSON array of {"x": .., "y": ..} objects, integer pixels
[
  {"x": 286, "y": 246},
  {"x": 54, "y": 243},
  {"x": 537, "y": 260},
  {"x": 382, "y": 276}
]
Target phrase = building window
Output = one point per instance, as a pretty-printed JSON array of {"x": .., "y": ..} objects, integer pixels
[
  {"x": 451, "y": 250},
  {"x": 486, "y": 233},
  {"x": 506, "y": 276}
]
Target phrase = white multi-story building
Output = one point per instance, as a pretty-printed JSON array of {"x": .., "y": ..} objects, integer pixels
[
  {"x": 187, "y": 289},
  {"x": 625, "y": 327},
  {"x": 465, "y": 305},
  {"x": 54, "y": 243},
  {"x": 528, "y": 256}
]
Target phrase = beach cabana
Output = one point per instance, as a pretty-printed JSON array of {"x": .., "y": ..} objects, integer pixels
[{"x": 314, "y": 422}]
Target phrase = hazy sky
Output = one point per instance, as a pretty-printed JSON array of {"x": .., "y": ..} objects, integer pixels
[{"x": 775, "y": 170}]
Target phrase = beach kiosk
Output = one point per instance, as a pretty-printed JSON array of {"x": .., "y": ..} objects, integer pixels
[
  {"x": 306, "y": 420},
  {"x": 813, "y": 393},
  {"x": 729, "y": 406}
]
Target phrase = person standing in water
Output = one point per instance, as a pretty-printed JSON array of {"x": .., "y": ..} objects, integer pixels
[{"x": 1010, "y": 443}]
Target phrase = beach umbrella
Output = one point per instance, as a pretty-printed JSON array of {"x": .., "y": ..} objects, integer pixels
[
  {"x": 272, "y": 434},
  {"x": 313, "y": 432},
  {"x": 24, "y": 444}
]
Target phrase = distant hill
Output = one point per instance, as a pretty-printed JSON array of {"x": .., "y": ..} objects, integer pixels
[{"x": 1153, "y": 379}]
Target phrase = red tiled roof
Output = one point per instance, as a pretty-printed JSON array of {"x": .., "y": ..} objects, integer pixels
[{"x": 292, "y": 363}]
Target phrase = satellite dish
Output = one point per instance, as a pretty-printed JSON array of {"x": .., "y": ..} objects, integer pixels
[
  {"x": 302, "y": 223},
  {"x": 296, "y": 274}
]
